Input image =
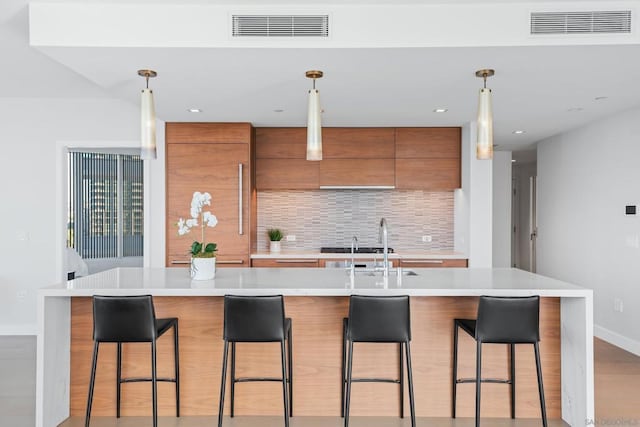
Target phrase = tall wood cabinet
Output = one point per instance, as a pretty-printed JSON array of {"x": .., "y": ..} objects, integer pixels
[{"x": 214, "y": 158}]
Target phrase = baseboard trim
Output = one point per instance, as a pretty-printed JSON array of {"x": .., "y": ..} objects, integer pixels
[{"x": 616, "y": 339}]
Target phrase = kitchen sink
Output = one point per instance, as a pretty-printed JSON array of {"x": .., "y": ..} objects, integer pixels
[{"x": 392, "y": 272}]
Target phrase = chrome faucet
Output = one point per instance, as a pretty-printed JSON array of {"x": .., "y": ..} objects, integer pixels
[
  {"x": 354, "y": 247},
  {"x": 383, "y": 237}
]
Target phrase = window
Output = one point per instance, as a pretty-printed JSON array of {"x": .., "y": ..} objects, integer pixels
[{"x": 105, "y": 217}]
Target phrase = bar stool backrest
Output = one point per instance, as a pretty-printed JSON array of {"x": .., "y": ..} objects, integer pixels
[
  {"x": 123, "y": 318},
  {"x": 379, "y": 319},
  {"x": 253, "y": 318},
  {"x": 508, "y": 320}
]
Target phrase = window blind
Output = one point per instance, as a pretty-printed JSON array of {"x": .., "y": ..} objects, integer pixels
[{"x": 106, "y": 216}]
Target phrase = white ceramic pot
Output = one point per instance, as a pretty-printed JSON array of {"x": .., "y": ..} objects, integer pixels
[
  {"x": 274, "y": 246},
  {"x": 203, "y": 268}
]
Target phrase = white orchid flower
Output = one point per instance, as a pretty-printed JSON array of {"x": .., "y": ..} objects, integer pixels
[
  {"x": 182, "y": 229},
  {"x": 192, "y": 222},
  {"x": 206, "y": 199},
  {"x": 210, "y": 219},
  {"x": 195, "y": 212}
]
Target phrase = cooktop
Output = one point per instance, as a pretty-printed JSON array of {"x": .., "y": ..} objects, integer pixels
[{"x": 360, "y": 250}]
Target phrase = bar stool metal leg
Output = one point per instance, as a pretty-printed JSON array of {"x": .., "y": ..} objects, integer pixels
[
  {"x": 285, "y": 398},
  {"x": 401, "y": 365},
  {"x": 223, "y": 381},
  {"x": 543, "y": 408},
  {"x": 411, "y": 396},
  {"x": 154, "y": 384},
  {"x": 348, "y": 392},
  {"x": 92, "y": 381},
  {"x": 512, "y": 378},
  {"x": 455, "y": 370},
  {"x": 478, "y": 380},
  {"x": 232, "y": 383},
  {"x": 176, "y": 361},
  {"x": 290, "y": 361},
  {"x": 118, "y": 378},
  {"x": 343, "y": 366}
]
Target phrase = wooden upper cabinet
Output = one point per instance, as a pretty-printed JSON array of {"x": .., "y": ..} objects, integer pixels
[
  {"x": 409, "y": 158},
  {"x": 428, "y": 159},
  {"x": 357, "y": 157},
  {"x": 287, "y": 174},
  {"x": 281, "y": 143},
  {"x": 428, "y": 143},
  {"x": 358, "y": 143},
  {"x": 194, "y": 133},
  {"x": 281, "y": 160},
  {"x": 357, "y": 172}
]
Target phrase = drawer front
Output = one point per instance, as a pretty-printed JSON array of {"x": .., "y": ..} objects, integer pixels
[
  {"x": 285, "y": 263},
  {"x": 434, "y": 263}
]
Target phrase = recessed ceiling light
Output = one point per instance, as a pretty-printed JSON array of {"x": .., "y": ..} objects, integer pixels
[
  {"x": 440, "y": 110},
  {"x": 575, "y": 109},
  {"x": 518, "y": 132},
  {"x": 278, "y": 110},
  {"x": 600, "y": 98},
  {"x": 195, "y": 110}
]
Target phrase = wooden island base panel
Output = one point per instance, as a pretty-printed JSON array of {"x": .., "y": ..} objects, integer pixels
[{"x": 317, "y": 347}]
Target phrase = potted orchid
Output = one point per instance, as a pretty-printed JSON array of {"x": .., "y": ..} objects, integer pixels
[{"x": 203, "y": 254}]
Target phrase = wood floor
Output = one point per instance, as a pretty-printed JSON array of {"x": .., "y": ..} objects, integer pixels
[{"x": 617, "y": 395}]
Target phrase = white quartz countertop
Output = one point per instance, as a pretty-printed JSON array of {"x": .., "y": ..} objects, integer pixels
[
  {"x": 315, "y": 282},
  {"x": 398, "y": 254}
]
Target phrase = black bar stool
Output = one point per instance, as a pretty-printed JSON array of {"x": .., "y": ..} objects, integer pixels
[
  {"x": 501, "y": 320},
  {"x": 130, "y": 319},
  {"x": 256, "y": 319},
  {"x": 377, "y": 319}
]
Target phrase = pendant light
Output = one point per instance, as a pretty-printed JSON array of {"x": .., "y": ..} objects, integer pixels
[
  {"x": 314, "y": 120},
  {"x": 484, "y": 142},
  {"x": 147, "y": 119}
]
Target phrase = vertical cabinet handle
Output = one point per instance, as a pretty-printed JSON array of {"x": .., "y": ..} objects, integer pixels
[{"x": 240, "y": 230}]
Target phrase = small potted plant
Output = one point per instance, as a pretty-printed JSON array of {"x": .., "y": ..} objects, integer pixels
[
  {"x": 203, "y": 255},
  {"x": 275, "y": 235}
]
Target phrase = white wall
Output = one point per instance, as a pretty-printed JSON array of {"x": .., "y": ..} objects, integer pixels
[
  {"x": 501, "y": 209},
  {"x": 472, "y": 204},
  {"x": 585, "y": 179},
  {"x": 33, "y": 133}
]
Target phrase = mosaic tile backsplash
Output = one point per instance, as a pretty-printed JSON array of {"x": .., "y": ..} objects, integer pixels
[{"x": 332, "y": 217}]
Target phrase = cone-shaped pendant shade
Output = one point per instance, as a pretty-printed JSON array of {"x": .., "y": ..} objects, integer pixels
[
  {"x": 484, "y": 144},
  {"x": 314, "y": 127},
  {"x": 147, "y": 126}
]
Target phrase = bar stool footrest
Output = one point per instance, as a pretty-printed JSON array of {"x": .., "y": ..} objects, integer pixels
[
  {"x": 374, "y": 380},
  {"x": 484, "y": 380},
  {"x": 139, "y": 380},
  {"x": 247, "y": 380}
]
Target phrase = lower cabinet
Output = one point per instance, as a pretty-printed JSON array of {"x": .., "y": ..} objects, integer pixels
[
  {"x": 284, "y": 262},
  {"x": 433, "y": 263}
]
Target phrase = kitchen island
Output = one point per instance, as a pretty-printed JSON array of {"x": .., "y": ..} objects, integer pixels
[{"x": 317, "y": 300}]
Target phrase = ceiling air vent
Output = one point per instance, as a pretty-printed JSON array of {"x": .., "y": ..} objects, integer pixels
[
  {"x": 280, "y": 25},
  {"x": 600, "y": 22}
]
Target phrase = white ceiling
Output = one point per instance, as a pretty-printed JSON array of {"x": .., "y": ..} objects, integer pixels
[{"x": 533, "y": 87}]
